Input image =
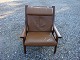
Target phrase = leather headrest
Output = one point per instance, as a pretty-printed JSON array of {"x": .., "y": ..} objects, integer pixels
[{"x": 39, "y": 11}]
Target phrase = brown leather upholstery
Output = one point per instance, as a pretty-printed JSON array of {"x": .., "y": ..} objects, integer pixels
[
  {"x": 38, "y": 27},
  {"x": 40, "y": 39},
  {"x": 39, "y": 23},
  {"x": 39, "y": 11}
]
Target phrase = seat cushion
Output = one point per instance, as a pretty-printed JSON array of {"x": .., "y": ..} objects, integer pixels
[{"x": 40, "y": 39}]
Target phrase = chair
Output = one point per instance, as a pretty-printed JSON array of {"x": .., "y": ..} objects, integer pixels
[{"x": 39, "y": 27}]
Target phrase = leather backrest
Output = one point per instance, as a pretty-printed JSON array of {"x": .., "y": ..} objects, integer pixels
[{"x": 39, "y": 18}]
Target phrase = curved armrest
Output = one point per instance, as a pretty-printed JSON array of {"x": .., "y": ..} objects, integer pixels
[
  {"x": 23, "y": 35},
  {"x": 56, "y": 31}
]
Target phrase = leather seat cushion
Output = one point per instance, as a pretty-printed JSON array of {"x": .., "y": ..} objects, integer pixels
[{"x": 40, "y": 39}]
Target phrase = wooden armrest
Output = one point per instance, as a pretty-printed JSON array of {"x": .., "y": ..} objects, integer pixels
[
  {"x": 57, "y": 32},
  {"x": 23, "y": 35}
]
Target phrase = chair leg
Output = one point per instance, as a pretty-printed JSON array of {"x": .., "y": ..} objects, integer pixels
[
  {"x": 24, "y": 49},
  {"x": 55, "y": 49}
]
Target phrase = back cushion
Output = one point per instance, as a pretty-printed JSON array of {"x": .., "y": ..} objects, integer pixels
[
  {"x": 39, "y": 23},
  {"x": 39, "y": 18}
]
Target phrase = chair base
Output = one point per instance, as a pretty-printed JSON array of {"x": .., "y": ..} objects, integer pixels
[
  {"x": 24, "y": 49},
  {"x": 55, "y": 48}
]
